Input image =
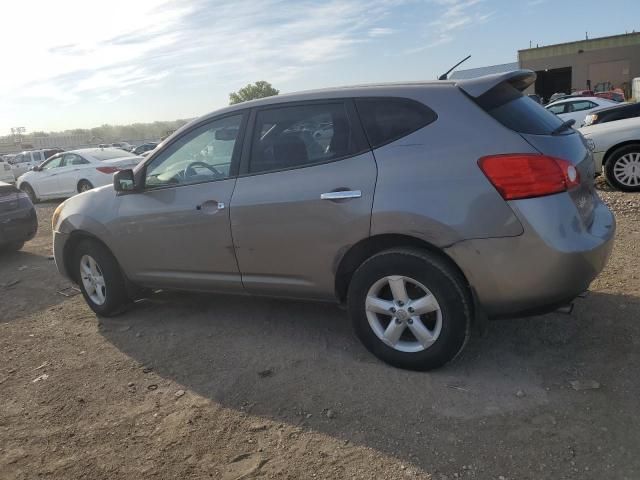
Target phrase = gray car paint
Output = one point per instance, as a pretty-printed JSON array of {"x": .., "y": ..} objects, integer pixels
[{"x": 516, "y": 255}]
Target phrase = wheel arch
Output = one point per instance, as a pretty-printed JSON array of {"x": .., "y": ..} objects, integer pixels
[
  {"x": 617, "y": 146},
  {"x": 369, "y": 246},
  {"x": 83, "y": 180},
  {"x": 72, "y": 243}
]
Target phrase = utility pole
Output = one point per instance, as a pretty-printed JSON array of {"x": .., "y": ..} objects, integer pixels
[{"x": 17, "y": 134}]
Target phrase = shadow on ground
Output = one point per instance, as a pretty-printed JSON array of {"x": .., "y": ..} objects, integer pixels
[{"x": 284, "y": 360}]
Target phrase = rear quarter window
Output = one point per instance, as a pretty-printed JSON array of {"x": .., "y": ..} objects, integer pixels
[
  {"x": 388, "y": 119},
  {"x": 518, "y": 112}
]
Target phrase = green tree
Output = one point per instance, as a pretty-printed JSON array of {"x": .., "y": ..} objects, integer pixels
[{"x": 259, "y": 89}]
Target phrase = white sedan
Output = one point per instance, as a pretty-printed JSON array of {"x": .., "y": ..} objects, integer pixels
[
  {"x": 577, "y": 108},
  {"x": 68, "y": 173},
  {"x": 616, "y": 151}
]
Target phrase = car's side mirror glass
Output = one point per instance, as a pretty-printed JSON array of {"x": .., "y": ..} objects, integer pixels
[{"x": 123, "y": 181}]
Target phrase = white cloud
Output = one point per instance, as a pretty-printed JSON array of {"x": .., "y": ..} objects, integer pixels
[
  {"x": 454, "y": 15},
  {"x": 75, "y": 50}
]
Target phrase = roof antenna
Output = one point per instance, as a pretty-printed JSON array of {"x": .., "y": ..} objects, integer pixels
[{"x": 444, "y": 75}]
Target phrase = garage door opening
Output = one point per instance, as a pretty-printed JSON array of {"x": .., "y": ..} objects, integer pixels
[{"x": 553, "y": 81}]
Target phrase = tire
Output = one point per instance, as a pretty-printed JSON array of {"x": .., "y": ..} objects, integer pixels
[
  {"x": 26, "y": 188},
  {"x": 103, "y": 288},
  {"x": 448, "y": 320},
  {"x": 622, "y": 169},
  {"x": 11, "y": 247},
  {"x": 84, "y": 186}
]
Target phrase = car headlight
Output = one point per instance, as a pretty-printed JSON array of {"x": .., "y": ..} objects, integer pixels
[
  {"x": 591, "y": 144},
  {"x": 56, "y": 216}
]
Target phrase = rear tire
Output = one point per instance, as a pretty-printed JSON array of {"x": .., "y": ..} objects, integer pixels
[
  {"x": 99, "y": 278},
  {"x": 84, "y": 186},
  {"x": 26, "y": 188},
  {"x": 436, "y": 306},
  {"x": 622, "y": 169}
]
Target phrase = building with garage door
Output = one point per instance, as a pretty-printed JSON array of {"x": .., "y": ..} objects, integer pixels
[{"x": 598, "y": 64}]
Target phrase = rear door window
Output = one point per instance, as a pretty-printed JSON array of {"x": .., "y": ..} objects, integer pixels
[
  {"x": 388, "y": 119},
  {"x": 301, "y": 135},
  {"x": 558, "y": 109},
  {"x": 518, "y": 112}
]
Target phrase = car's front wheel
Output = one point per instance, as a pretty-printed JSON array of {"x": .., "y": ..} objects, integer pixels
[
  {"x": 100, "y": 278},
  {"x": 622, "y": 169},
  {"x": 410, "y": 308},
  {"x": 26, "y": 188}
]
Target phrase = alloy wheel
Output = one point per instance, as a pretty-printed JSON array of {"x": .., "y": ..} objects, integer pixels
[
  {"x": 403, "y": 313},
  {"x": 93, "y": 280},
  {"x": 627, "y": 169}
]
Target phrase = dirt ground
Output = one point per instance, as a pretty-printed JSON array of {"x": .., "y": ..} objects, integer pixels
[{"x": 193, "y": 386}]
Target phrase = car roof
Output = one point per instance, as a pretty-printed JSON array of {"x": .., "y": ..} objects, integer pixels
[
  {"x": 576, "y": 97},
  {"x": 620, "y": 106}
]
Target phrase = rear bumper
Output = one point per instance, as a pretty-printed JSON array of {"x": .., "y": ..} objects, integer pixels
[
  {"x": 18, "y": 225},
  {"x": 555, "y": 259}
]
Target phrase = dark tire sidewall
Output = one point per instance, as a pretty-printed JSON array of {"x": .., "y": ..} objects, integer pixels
[
  {"x": 443, "y": 282},
  {"x": 30, "y": 192},
  {"x": 81, "y": 183},
  {"x": 116, "y": 298},
  {"x": 610, "y": 164}
]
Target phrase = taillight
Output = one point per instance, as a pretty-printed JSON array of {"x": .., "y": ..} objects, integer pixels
[
  {"x": 107, "y": 169},
  {"x": 525, "y": 175}
]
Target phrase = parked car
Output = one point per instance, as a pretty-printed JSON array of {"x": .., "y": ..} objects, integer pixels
[
  {"x": 611, "y": 114},
  {"x": 145, "y": 147},
  {"x": 577, "y": 108},
  {"x": 418, "y": 233},
  {"x": 122, "y": 145},
  {"x": 18, "y": 220},
  {"x": 25, "y": 161},
  {"x": 616, "y": 147},
  {"x": 6, "y": 173},
  {"x": 536, "y": 98},
  {"x": 76, "y": 171}
]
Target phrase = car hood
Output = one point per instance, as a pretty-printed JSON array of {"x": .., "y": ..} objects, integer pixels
[{"x": 629, "y": 124}]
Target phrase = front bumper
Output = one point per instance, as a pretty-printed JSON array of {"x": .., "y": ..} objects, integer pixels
[
  {"x": 59, "y": 242},
  {"x": 554, "y": 261},
  {"x": 598, "y": 157},
  {"x": 18, "y": 225}
]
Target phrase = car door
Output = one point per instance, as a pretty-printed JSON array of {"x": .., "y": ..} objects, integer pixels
[
  {"x": 71, "y": 173},
  {"x": 303, "y": 198},
  {"x": 45, "y": 181},
  {"x": 175, "y": 233}
]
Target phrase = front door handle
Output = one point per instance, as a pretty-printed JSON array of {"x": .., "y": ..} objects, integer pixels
[
  {"x": 341, "y": 195},
  {"x": 211, "y": 206}
]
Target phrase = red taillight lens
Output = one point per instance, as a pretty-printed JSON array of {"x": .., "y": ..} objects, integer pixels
[
  {"x": 107, "y": 169},
  {"x": 525, "y": 175}
]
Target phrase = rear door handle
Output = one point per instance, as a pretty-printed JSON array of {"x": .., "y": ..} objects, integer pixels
[
  {"x": 341, "y": 195},
  {"x": 211, "y": 206}
]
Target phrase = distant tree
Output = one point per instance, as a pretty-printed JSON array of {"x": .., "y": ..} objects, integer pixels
[{"x": 259, "y": 89}]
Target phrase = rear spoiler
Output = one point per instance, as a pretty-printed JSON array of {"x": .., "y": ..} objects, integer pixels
[{"x": 519, "y": 79}]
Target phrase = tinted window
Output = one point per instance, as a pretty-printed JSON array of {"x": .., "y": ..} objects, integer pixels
[
  {"x": 202, "y": 155},
  {"x": 557, "y": 108},
  {"x": 579, "y": 106},
  {"x": 517, "y": 112},
  {"x": 73, "y": 159},
  {"x": 107, "y": 153},
  {"x": 289, "y": 137},
  {"x": 388, "y": 119}
]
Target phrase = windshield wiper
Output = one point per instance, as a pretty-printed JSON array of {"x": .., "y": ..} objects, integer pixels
[{"x": 563, "y": 126}]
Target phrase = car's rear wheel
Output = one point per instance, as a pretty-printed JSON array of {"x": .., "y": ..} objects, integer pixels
[
  {"x": 26, "y": 188},
  {"x": 100, "y": 278},
  {"x": 84, "y": 186},
  {"x": 622, "y": 169},
  {"x": 410, "y": 308}
]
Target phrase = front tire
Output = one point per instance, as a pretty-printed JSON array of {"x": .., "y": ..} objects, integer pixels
[
  {"x": 100, "y": 279},
  {"x": 622, "y": 169},
  {"x": 410, "y": 308},
  {"x": 11, "y": 247}
]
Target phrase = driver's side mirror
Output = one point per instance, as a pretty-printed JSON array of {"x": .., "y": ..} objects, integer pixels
[
  {"x": 37, "y": 168},
  {"x": 124, "y": 181}
]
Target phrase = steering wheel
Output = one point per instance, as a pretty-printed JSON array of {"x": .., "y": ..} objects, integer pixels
[{"x": 189, "y": 171}]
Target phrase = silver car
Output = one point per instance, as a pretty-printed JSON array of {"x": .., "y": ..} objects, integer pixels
[{"x": 423, "y": 207}]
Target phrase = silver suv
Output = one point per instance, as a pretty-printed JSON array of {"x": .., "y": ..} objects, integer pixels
[{"x": 423, "y": 207}]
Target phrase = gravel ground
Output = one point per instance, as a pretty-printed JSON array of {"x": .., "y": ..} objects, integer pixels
[{"x": 200, "y": 386}]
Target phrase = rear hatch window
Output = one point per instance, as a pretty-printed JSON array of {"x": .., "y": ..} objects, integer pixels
[{"x": 518, "y": 112}]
